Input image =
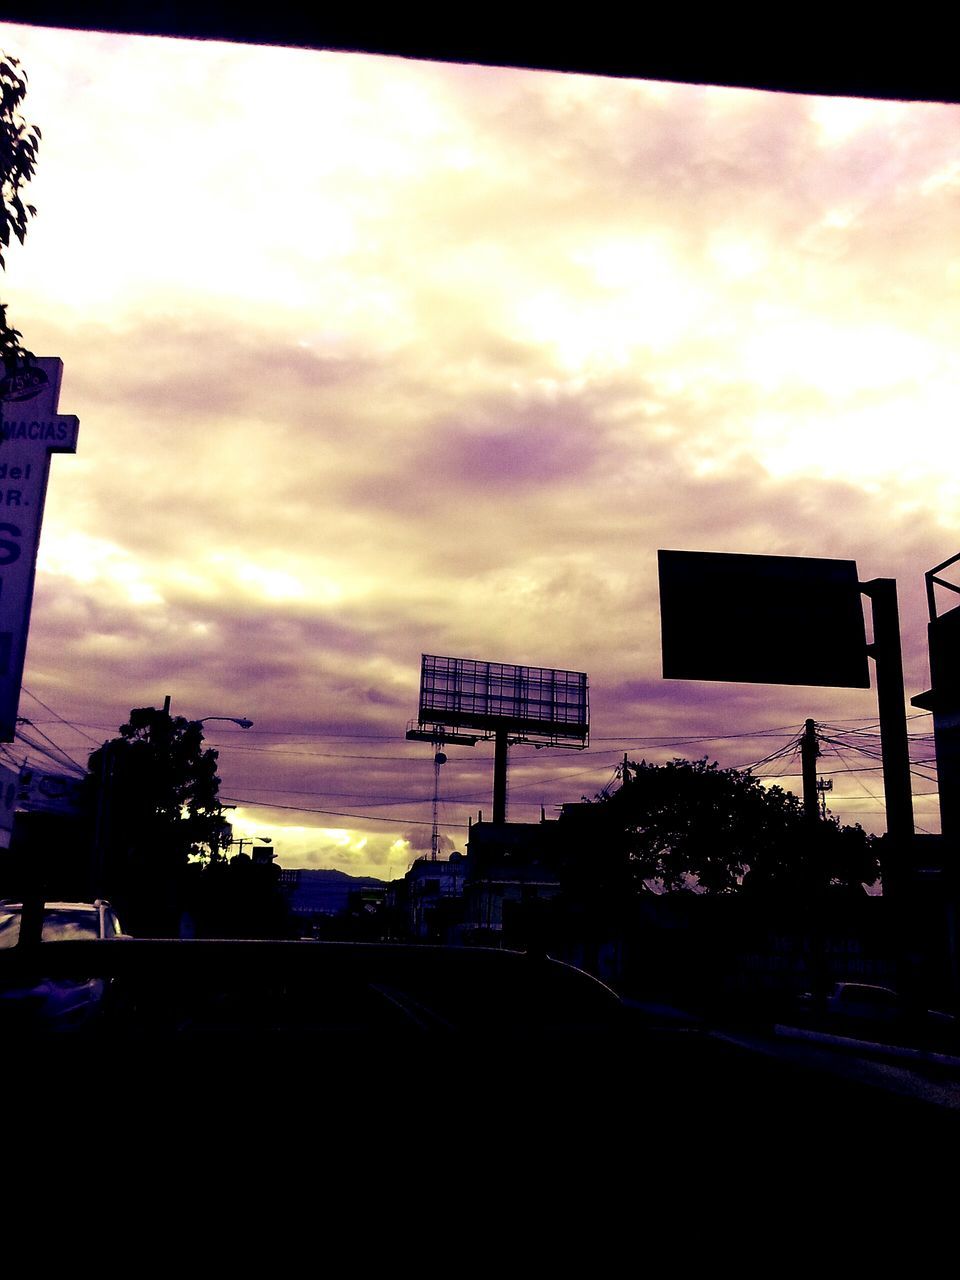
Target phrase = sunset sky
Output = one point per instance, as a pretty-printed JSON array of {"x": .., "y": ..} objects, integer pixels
[{"x": 375, "y": 358}]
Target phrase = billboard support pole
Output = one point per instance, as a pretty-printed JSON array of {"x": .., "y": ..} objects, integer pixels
[
  {"x": 943, "y": 700},
  {"x": 500, "y": 776},
  {"x": 894, "y": 743}
]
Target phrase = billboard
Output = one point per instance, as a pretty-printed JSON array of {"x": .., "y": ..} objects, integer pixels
[
  {"x": 536, "y": 702},
  {"x": 762, "y": 619},
  {"x": 31, "y": 430}
]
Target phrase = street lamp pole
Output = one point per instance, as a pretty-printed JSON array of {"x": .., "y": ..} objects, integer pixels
[{"x": 242, "y": 721}]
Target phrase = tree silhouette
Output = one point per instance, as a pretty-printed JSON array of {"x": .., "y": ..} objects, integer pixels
[
  {"x": 19, "y": 143},
  {"x": 690, "y": 825},
  {"x": 152, "y": 796},
  {"x": 237, "y": 898}
]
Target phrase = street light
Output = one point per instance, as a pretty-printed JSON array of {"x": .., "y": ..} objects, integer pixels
[
  {"x": 243, "y": 722},
  {"x": 250, "y": 840}
]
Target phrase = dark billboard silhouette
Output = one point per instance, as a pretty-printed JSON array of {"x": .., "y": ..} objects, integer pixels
[{"x": 761, "y": 619}]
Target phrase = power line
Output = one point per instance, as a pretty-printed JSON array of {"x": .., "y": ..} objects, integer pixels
[
  {"x": 627, "y": 739},
  {"x": 787, "y": 749},
  {"x": 461, "y": 797},
  {"x": 858, "y": 728},
  {"x": 61, "y": 759},
  {"x": 68, "y": 723},
  {"x": 682, "y": 740},
  {"x": 8, "y": 755},
  {"x": 876, "y": 799},
  {"x": 334, "y": 813}
]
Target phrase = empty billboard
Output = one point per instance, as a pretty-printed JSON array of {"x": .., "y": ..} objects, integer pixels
[
  {"x": 534, "y": 702},
  {"x": 762, "y": 619}
]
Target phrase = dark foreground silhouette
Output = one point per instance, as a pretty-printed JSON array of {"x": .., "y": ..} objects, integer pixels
[
  {"x": 329, "y": 991},
  {"x": 511, "y": 1049}
]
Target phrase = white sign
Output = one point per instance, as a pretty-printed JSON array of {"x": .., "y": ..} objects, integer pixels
[
  {"x": 9, "y": 784},
  {"x": 30, "y": 430},
  {"x": 51, "y": 792}
]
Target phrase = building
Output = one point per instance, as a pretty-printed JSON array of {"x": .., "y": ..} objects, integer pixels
[
  {"x": 511, "y": 871},
  {"x": 433, "y": 899}
]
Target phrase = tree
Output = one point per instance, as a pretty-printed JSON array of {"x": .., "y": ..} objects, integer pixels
[
  {"x": 153, "y": 801},
  {"x": 19, "y": 143},
  {"x": 690, "y": 825},
  {"x": 239, "y": 898}
]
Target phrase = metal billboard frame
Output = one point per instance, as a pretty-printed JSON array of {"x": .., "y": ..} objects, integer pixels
[
  {"x": 808, "y": 620},
  {"x": 546, "y": 704}
]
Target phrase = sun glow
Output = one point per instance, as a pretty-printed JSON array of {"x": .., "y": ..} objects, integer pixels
[
  {"x": 307, "y": 584},
  {"x": 91, "y": 561},
  {"x": 633, "y": 295}
]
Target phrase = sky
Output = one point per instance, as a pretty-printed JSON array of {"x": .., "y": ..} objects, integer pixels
[{"x": 375, "y": 358}]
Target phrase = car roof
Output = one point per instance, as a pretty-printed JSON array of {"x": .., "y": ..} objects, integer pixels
[
  {"x": 11, "y": 905},
  {"x": 865, "y": 986}
]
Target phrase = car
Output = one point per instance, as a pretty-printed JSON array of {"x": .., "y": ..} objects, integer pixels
[
  {"x": 259, "y": 991},
  {"x": 61, "y": 1003},
  {"x": 869, "y": 1010},
  {"x": 62, "y": 921}
]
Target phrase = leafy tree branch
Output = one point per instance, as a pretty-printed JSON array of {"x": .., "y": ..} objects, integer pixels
[{"x": 19, "y": 143}]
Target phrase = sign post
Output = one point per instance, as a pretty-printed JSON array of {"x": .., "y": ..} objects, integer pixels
[
  {"x": 894, "y": 742},
  {"x": 31, "y": 430},
  {"x": 943, "y": 700},
  {"x": 793, "y": 620}
]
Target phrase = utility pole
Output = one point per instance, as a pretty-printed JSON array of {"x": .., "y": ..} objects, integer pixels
[
  {"x": 943, "y": 700},
  {"x": 809, "y": 751},
  {"x": 101, "y": 838}
]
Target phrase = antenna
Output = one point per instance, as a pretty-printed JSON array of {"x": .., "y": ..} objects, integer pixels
[{"x": 438, "y": 760}]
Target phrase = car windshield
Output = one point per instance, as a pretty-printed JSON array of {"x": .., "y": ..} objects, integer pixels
[
  {"x": 882, "y": 997},
  {"x": 59, "y": 925}
]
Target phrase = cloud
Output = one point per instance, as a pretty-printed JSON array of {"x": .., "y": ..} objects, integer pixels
[{"x": 442, "y": 378}]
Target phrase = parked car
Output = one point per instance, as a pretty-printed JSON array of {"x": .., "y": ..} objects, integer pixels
[
  {"x": 161, "y": 990},
  {"x": 866, "y": 1009},
  {"x": 61, "y": 1003}
]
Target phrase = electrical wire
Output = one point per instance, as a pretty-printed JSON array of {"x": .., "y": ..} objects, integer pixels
[
  {"x": 788, "y": 748},
  {"x": 68, "y": 723},
  {"x": 853, "y": 746},
  {"x": 62, "y": 760},
  {"x": 334, "y": 813},
  {"x": 857, "y": 734},
  {"x": 461, "y": 797},
  {"x": 876, "y": 799},
  {"x": 22, "y": 720}
]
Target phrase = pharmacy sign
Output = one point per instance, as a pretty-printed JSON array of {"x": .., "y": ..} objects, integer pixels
[{"x": 31, "y": 430}]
